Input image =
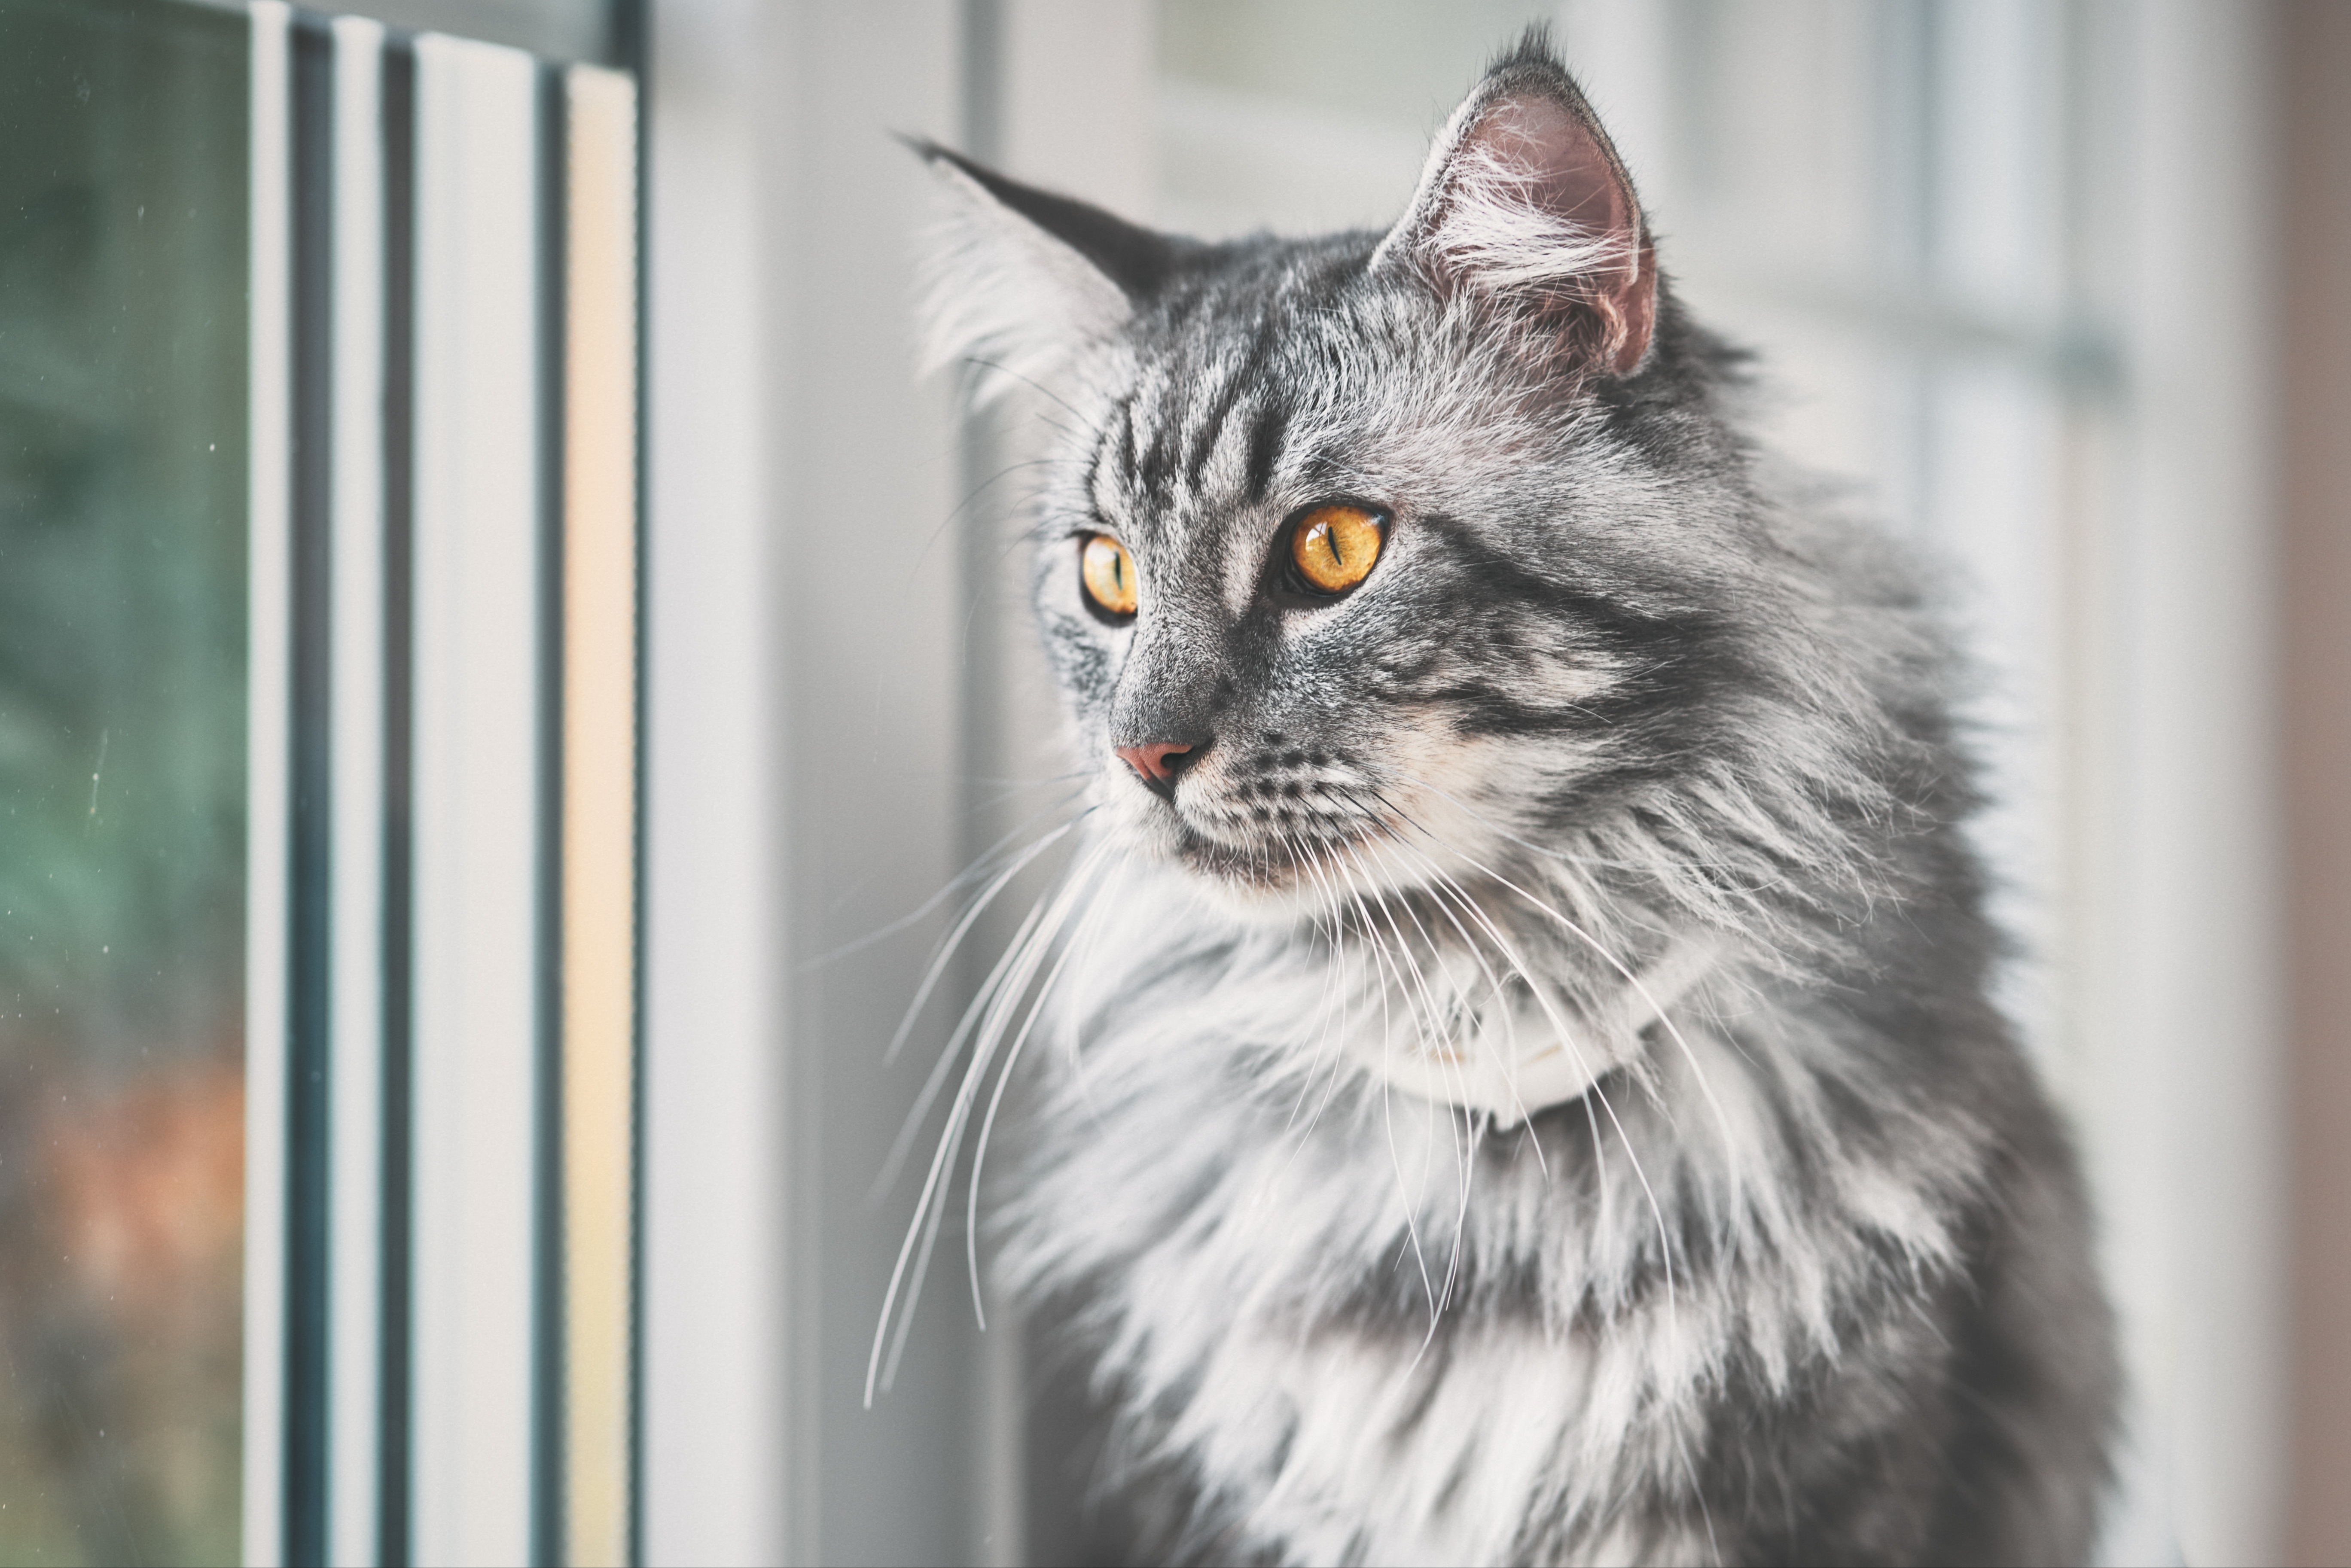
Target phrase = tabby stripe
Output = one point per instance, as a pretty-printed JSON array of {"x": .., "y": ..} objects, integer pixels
[{"x": 1266, "y": 438}]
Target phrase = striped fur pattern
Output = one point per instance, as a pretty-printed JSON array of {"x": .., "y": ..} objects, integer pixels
[{"x": 1793, "y": 1264}]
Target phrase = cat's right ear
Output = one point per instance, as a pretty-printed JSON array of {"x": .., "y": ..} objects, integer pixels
[
  {"x": 1018, "y": 281},
  {"x": 1526, "y": 207}
]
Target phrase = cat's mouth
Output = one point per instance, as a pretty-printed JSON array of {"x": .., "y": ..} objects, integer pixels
[
  {"x": 1262, "y": 866},
  {"x": 1272, "y": 865}
]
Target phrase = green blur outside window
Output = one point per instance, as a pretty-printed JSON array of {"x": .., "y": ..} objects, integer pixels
[{"x": 122, "y": 683}]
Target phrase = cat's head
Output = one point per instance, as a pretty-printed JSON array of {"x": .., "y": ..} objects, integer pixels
[{"x": 1354, "y": 547}]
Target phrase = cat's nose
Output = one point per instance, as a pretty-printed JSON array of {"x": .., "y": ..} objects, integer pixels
[{"x": 1158, "y": 762}]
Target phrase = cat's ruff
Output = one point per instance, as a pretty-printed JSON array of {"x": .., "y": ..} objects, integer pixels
[{"x": 1522, "y": 1057}]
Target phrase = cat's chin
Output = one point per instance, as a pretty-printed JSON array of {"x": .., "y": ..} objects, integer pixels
[
  {"x": 1270, "y": 887},
  {"x": 1248, "y": 873}
]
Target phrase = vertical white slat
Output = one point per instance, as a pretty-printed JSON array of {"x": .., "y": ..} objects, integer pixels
[
  {"x": 357, "y": 715},
  {"x": 475, "y": 798},
  {"x": 600, "y": 806},
  {"x": 2187, "y": 1050},
  {"x": 269, "y": 713},
  {"x": 714, "y": 1420}
]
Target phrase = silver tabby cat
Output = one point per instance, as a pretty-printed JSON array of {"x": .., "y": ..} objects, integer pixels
[{"x": 1518, "y": 1080}]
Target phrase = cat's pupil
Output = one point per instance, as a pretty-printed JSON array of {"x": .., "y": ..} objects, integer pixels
[{"x": 1334, "y": 547}]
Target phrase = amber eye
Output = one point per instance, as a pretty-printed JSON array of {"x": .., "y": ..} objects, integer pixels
[
  {"x": 1333, "y": 546},
  {"x": 1108, "y": 573}
]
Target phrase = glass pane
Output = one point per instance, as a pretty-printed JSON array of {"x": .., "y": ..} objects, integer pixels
[
  {"x": 122, "y": 527},
  {"x": 1309, "y": 115},
  {"x": 592, "y": 30}
]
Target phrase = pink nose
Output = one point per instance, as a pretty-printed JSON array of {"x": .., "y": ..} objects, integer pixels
[{"x": 1150, "y": 762}]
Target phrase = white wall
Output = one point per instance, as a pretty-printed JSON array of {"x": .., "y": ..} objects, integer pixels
[{"x": 805, "y": 779}]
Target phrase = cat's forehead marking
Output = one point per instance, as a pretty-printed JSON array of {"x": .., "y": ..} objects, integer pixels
[
  {"x": 1226, "y": 415},
  {"x": 1184, "y": 457}
]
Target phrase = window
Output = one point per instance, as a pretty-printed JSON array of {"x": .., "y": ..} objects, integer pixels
[
  {"x": 123, "y": 781},
  {"x": 318, "y": 339}
]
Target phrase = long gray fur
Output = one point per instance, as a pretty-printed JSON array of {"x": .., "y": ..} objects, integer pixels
[{"x": 1804, "y": 1274}]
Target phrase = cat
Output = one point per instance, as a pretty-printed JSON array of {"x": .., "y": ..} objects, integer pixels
[{"x": 1518, "y": 1082}]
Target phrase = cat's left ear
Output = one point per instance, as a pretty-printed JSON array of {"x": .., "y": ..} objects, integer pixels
[
  {"x": 1018, "y": 281},
  {"x": 1526, "y": 206}
]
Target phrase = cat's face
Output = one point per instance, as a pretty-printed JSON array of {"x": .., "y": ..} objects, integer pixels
[
  {"x": 1347, "y": 546},
  {"x": 1338, "y": 579}
]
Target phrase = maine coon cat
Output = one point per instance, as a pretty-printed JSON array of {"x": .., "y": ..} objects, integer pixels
[{"x": 1520, "y": 1084}]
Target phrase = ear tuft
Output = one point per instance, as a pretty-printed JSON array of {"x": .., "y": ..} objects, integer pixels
[
  {"x": 1017, "y": 281},
  {"x": 1525, "y": 205}
]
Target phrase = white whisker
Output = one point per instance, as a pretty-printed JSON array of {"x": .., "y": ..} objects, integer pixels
[
  {"x": 962, "y": 927},
  {"x": 1007, "y": 987},
  {"x": 893, "y": 1162},
  {"x": 988, "y": 1124},
  {"x": 983, "y": 864},
  {"x": 1435, "y": 1024},
  {"x": 1388, "y": 1101}
]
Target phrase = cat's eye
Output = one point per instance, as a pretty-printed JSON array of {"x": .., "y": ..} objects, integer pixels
[
  {"x": 1108, "y": 573},
  {"x": 1332, "y": 547}
]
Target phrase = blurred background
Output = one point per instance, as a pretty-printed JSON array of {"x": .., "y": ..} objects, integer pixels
[{"x": 2061, "y": 287}]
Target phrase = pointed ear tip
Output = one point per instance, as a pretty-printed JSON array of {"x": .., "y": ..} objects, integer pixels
[
  {"x": 955, "y": 180},
  {"x": 936, "y": 156},
  {"x": 1535, "y": 64},
  {"x": 1533, "y": 48}
]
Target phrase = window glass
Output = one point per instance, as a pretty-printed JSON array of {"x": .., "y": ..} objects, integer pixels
[
  {"x": 591, "y": 30},
  {"x": 122, "y": 635},
  {"x": 1308, "y": 115}
]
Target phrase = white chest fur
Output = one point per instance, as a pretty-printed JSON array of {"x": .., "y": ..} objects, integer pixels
[{"x": 1294, "y": 1258}]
